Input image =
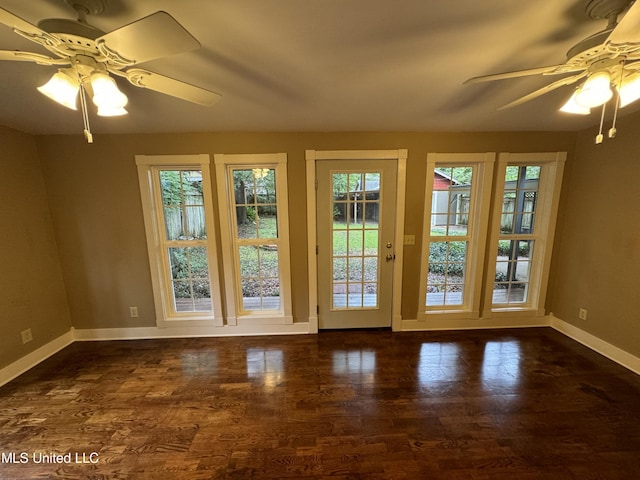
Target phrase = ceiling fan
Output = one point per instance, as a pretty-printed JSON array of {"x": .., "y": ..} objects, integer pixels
[
  {"x": 86, "y": 56},
  {"x": 608, "y": 61}
]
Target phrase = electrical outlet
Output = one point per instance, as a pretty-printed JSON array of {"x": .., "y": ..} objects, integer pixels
[
  {"x": 133, "y": 311},
  {"x": 26, "y": 336},
  {"x": 409, "y": 240},
  {"x": 582, "y": 314}
]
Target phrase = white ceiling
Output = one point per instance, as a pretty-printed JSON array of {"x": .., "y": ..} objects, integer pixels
[{"x": 325, "y": 65}]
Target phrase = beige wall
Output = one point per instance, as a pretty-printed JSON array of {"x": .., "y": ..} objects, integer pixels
[
  {"x": 597, "y": 252},
  {"x": 95, "y": 203},
  {"x": 92, "y": 192},
  {"x": 32, "y": 293}
]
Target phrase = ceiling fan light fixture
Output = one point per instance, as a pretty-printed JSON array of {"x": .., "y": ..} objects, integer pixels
[
  {"x": 596, "y": 91},
  {"x": 63, "y": 89},
  {"x": 106, "y": 95},
  {"x": 574, "y": 107},
  {"x": 106, "y": 111},
  {"x": 629, "y": 90},
  {"x": 260, "y": 172}
]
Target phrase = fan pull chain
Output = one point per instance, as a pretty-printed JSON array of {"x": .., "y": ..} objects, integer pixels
[
  {"x": 600, "y": 137},
  {"x": 85, "y": 115},
  {"x": 612, "y": 130}
]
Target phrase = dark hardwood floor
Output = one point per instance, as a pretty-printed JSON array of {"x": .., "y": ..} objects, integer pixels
[{"x": 500, "y": 404}]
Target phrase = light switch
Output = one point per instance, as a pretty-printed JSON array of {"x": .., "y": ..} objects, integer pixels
[{"x": 409, "y": 240}]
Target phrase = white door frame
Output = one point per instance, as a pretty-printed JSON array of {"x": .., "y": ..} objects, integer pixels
[{"x": 312, "y": 156}]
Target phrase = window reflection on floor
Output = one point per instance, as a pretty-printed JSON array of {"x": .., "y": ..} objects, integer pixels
[
  {"x": 266, "y": 365},
  {"x": 196, "y": 362},
  {"x": 501, "y": 364},
  {"x": 349, "y": 362},
  {"x": 438, "y": 362},
  {"x": 441, "y": 363}
]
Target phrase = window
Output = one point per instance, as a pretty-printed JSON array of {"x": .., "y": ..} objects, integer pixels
[
  {"x": 455, "y": 224},
  {"x": 256, "y": 235},
  {"x": 176, "y": 199},
  {"x": 462, "y": 245},
  {"x": 252, "y": 193},
  {"x": 525, "y": 205},
  {"x": 515, "y": 244}
]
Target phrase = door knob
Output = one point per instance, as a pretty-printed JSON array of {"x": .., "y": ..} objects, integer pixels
[{"x": 390, "y": 257}]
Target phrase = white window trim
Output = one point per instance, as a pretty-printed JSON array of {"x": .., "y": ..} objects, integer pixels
[
  {"x": 312, "y": 156},
  {"x": 233, "y": 293},
  {"x": 544, "y": 231},
  {"x": 478, "y": 219},
  {"x": 148, "y": 166}
]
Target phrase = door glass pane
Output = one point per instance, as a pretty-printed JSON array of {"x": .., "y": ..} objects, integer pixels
[
  {"x": 355, "y": 265},
  {"x": 355, "y": 236},
  {"x": 340, "y": 185},
  {"x": 340, "y": 269},
  {"x": 371, "y": 242},
  {"x": 355, "y": 298},
  {"x": 339, "y": 241},
  {"x": 339, "y": 294}
]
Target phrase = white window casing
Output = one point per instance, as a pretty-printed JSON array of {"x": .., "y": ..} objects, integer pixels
[
  {"x": 236, "y": 311},
  {"x": 476, "y": 233},
  {"x": 167, "y": 313},
  {"x": 542, "y": 235}
]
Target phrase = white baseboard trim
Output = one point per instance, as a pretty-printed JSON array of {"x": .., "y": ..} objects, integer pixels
[
  {"x": 145, "y": 333},
  {"x": 612, "y": 352},
  {"x": 396, "y": 323},
  {"x": 473, "y": 323},
  {"x": 32, "y": 359},
  {"x": 313, "y": 324}
]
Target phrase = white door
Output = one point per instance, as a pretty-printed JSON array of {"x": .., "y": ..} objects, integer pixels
[{"x": 356, "y": 203}]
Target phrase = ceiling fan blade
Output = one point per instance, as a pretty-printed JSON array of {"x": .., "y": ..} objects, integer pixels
[
  {"x": 27, "y": 30},
  {"x": 546, "y": 89},
  {"x": 552, "y": 69},
  {"x": 18, "y": 56},
  {"x": 627, "y": 33},
  {"x": 14, "y": 22},
  {"x": 169, "y": 86},
  {"x": 157, "y": 35}
]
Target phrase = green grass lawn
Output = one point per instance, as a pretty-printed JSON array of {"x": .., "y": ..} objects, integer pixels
[
  {"x": 349, "y": 248},
  {"x": 263, "y": 227},
  {"x": 359, "y": 241}
]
